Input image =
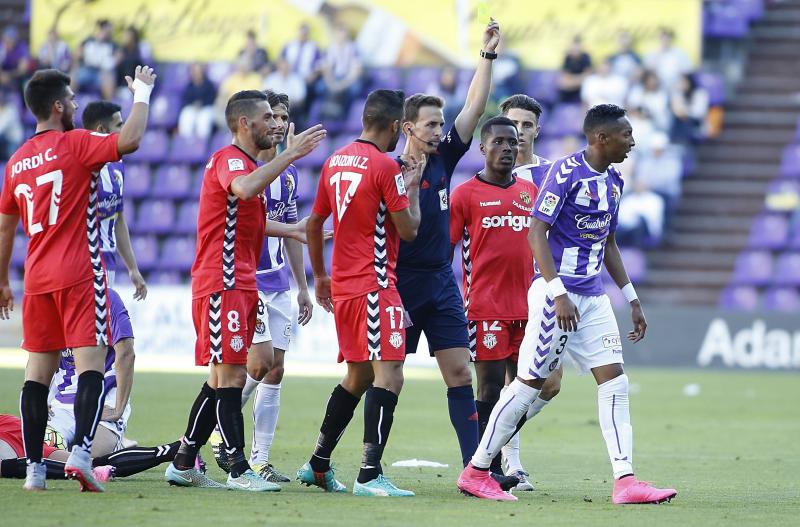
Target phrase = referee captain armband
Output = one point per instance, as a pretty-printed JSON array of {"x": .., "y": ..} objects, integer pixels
[
  {"x": 556, "y": 287},
  {"x": 141, "y": 91},
  {"x": 629, "y": 292}
]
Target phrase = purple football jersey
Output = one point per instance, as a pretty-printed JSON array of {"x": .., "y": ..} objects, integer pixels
[
  {"x": 581, "y": 205},
  {"x": 534, "y": 172},
  {"x": 272, "y": 273},
  {"x": 109, "y": 206}
]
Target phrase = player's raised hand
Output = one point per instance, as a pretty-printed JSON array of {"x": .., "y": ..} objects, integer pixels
[
  {"x": 6, "y": 302},
  {"x": 142, "y": 73},
  {"x": 567, "y": 314},
  {"x": 139, "y": 284},
  {"x": 306, "y": 307},
  {"x": 322, "y": 290},
  {"x": 290, "y": 136},
  {"x": 491, "y": 36},
  {"x": 304, "y": 143},
  {"x": 639, "y": 322}
]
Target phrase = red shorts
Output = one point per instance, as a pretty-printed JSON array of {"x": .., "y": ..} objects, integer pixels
[
  {"x": 495, "y": 339},
  {"x": 371, "y": 327},
  {"x": 225, "y": 324},
  {"x": 74, "y": 317},
  {"x": 11, "y": 433}
]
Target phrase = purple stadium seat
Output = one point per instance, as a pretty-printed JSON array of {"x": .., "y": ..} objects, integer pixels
[
  {"x": 635, "y": 263},
  {"x": 790, "y": 162},
  {"x": 156, "y": 216},
  {"x": 315, "y": 159},
  {"x": 342, "y": 140},
  {"x": 419, "y": 79},
  {"x": 389, "y": 78},
  {"x": 137, "y": 180},
  {"x": 615, "y": 295},
  {"x": 473, "y": 160},
  {"x": 565, "y": 119},
  {"x": 739, "y": 298},
  {"x": 146, "y": 250},
  {"x": 794, "y": 240},
  {"x": 173, "y": 77},
  {"x": 724, "y": 20},
  {"x": 219, "y": 71},
  {"x": 783, "y": 195},
  {"x": 753, "y": 268},
  {"x": 177, "y": 254},
  {"x": 197, "y": 181},
  {"x": 219, "y": 140},
  {"x": 769, "y": 231},
  {"x": 83, "y": 99},
  {"x": 187, "y": 217},
  {"x": 165, "y": 278},
  {"x": 542, "y": 85},
  {"x": 352, "y": 124},
  {"x": 787, "y": 269},
  {"x": 714, "y": 84},
  {"x": 784, "y": 299},
  {"x": 129, "y": 211},
  {"x": 188, "y": 150},
  {"x": 164, "y": 110},
  {"x": 460, "y": 178},
  {"x": 19, "y": 250},
  {"x": 173, "y": 181},
  {"x": 153, "y": 148}
]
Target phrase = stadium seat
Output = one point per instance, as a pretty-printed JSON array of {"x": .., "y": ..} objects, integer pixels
[
  {"x": 164, "y": 110},
  {"x": 739, "y": 298},
  {"x": 386, "y": 78},
  {"x": 714, "y": 84},
  {"x": 137, "y": 180},
  {"x": 635, "y": 263},
  {"x": 153, "y": 148},
  {"x": 352, "y": 124},
  {"x": 157, "y": 216},
  {"x": 419, "y": 79},
  {"x": 173, "y": 181},
  {"x": 177, "y": 254},
  {"x": 460, "y": 178},
  {"x": 166, "y": 277},
  {"x": 783, "y": 299},
  {"x": 219, "y": 140},
  {"x": 146, "y": 250},
  {"x": 473, "y": 161},
  {"x": 787, "y": 269},
  {"x": 187, "y": 217},
  {"x": 769, "y": 231},
  {"x": 173, "y": 77},
  {"x": 565, "y": 119},
  {"x": 315, "y": 159},
  {"x": 724, "y": 20},
  {"x": 188, "y": 150},
  {"x": 753, "y": 268},
  {"x": 542, "y": 85},
  {"x": 790, "y": 162},
  {"x": 197, "y": 181}
]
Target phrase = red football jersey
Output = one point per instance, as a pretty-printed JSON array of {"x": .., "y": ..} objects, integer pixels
[
  {"x": 49, "y": 182},
  {"x": 493, "y": 221},
  {"x": 360, "y": 185},
  {"x": 230, "y": 231}
]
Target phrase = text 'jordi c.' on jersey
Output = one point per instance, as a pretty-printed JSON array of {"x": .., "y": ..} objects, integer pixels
[
  {"x": 360, "y": 186},
  {"x": 581, "y": 205}
]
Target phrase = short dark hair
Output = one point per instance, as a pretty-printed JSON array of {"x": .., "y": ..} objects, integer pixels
[
  {"x": 497, "y": 120},
  {"x": 97, "y": 113},
  {"x": 417, "y": 101},
  {"x": 242, "y": 103},
  {"x": 602, "y": 115},
  {"x": 382, "y": 108},
  {"x": 274, "y": 99},
  {"x": 523, "y": 102},
  {"x": 45, "y": 88}
]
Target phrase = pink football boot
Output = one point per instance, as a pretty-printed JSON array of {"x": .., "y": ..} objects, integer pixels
[
  {"x": 103, "y": 473},
  {"x": 631, "y": 490},
  {"x": 479, "y": 483}
]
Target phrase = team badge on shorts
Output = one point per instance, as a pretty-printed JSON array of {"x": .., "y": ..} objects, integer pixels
[
  {"x": 489, "y": 341},
  {"x": 525, "y": 197},
  {"x": 396, "y": 339},
  {"x": 237, "y": 343},
  {"x": 554, "y": 365},
  {"x": 260, "y": 327}
]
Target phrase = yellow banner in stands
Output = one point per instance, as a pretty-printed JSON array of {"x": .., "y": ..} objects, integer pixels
[{"x": 388, "y": 32}]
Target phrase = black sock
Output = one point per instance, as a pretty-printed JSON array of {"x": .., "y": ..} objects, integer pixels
[
  {"x": 88, "y": 408},
  {"x": 484, "y": 412},
  {"x": 16, "y": 468},
  {"x": 379, "y": 405},
  {"x": 231, "y": 426},
  {"x": 202, "y": 420},
  {"x": 33, "y": 407},
  {"x": 130, "y": 461},
  {"x": 338, "y": 414}
]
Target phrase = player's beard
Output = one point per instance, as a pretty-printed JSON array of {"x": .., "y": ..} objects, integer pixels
[
  {"x": 67, "y": 121},
  {"x": 263, "y": 141}
]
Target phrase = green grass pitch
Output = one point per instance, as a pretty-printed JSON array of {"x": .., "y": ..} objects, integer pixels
[{"x": 733, "y": 453}]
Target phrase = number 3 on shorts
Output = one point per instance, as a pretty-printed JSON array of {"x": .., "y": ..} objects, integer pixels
[{"x": 233, "y": 321}]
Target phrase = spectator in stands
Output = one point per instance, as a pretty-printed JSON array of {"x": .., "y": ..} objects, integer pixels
[
  {"x": 641, "y": 214},
  {"x": 577, "y": 66},
  {"x": 241, "y": 78},
  {"x": 604, "y": 86},
  {"x": 131, "y": 53},
  {"x": 284, "y": 80},
  {"x": 668, "y": 61},
  {"x": 689, "y": 104},
  {"x": 644, "y": 131},
  {"x": 625, "y": 62},
  {"x": 11, "y": 133},
  {"x": 448, "y": 88},
  {"x": 341, "y": 74},
  {"x": 14, "y": 58},
  {"x": 55, "y": 53},
  {"x": 653, "y": 99},
  {"x": 197, "y": 104},
  {"x": 96, "y": 61},
  {"x": 660, "y": 169},
  {"x": 257, "y": 55},
  {"x": 304, "y": 58},
  {"x": 505, "y": 73}
]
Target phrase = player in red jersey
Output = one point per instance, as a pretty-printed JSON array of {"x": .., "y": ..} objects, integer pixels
[
  {"x": 231, "y": 227},
  {"x": 490, "y": 215},
  {"x": 50, "y": 182},
  {"x": 374, "y": 204}
]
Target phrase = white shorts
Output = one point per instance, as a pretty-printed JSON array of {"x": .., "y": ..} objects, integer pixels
[
  {"x": 274, "y": 320},
  {"x": 63, "y": 420},
  {"x": 595, "y": 343}
]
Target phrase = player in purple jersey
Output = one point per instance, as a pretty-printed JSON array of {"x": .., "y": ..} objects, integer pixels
[
  {"x": 572, "y": 235},
  {"x": 104, "y": 117}
]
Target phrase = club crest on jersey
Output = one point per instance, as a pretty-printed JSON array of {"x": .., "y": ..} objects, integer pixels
[
  {"x": 549, "y": 203},
  {"x": 525, "y": 197},
  {"x": 615, "y": 192},
  {"x": 237, "y": 343},
  {"x": 289, "y": 183},
  {"x": 489, "y": 341},
  {"x": 396, "y": 339},
  {"x": 235, "y": 164}
]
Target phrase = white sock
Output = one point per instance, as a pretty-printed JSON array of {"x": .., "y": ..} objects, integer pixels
[
  {"x": 513, "y": 403},
  {"x": 266, "y": 407},
  {"x": 249, "y": 385},
  {"x": 511, "y": 449},
  {"x": 615, "y": 423}
]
